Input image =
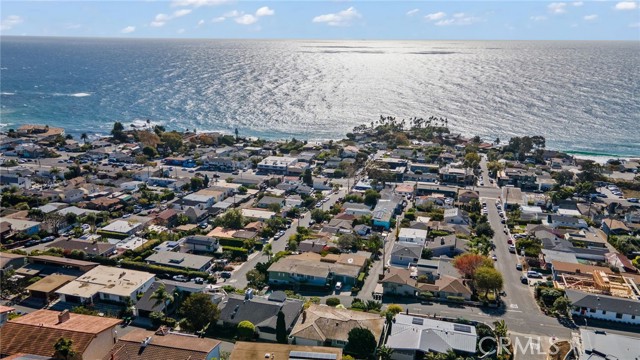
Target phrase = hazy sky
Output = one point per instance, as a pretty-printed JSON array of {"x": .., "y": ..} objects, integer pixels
[{"x": 581, "y": 20}]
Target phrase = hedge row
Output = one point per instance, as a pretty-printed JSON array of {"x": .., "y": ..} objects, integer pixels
[
  {"x": 157, "y": 269},
  {"x": 112, "y": 235},
  {"x": 232, "y": 242},
  {"x": 236, "y": 251}
]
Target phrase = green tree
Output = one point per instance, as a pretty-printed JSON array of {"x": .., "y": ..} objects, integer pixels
[
  {"x": 385, "y": 353},
  {"x": 206, "y": 180},
  {"x": 564, "y": 177},
  {"x": 118, "y": 132},
  {"x": 361, "y": 343},
  {"x": 471, "y": 160},
  {"x": 232, "y": 219},
  {"x": 196, "y": 183},
  {"x": 347, "y": 241},
  {"x": 318, "y": 215},
  {"x": 307, "y": 178},
  {"x": 281, "y": 329},
  {"x": 371, "y": 197},
  {"x": 172, "y": 139},
  {"x": 162, "y": 296},
  {"x": 332, "y": 301},
  {"x": 426, "y": 253},
  {"x": 245, "y": 330},
  {"x": 484, "y": 229},
  {"x": 149, "y": 152},
  {"x": 488, "y": 279},
  {"x": 198, "y": 311},
  {"x": 562, "y": 305},
  {"x": 256, "y": 278},
  {"x": 64, "y": 348}
]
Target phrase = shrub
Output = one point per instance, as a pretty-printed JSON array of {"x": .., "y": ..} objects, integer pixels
[
  {"x": 457, "y": 299},
  {"x": 333, "y": 301},
  {"x": 246, "y": 330},
  {"x": 394, "y": 309}
]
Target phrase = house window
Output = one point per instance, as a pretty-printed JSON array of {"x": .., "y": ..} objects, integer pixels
[
  {"x": 618, "y": 315},
  {"x": 604, "y": 312},
  {"x": 592, "y": 310}
]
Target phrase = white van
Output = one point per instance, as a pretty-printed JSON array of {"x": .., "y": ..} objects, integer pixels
[{"x": 338, "y": 285}]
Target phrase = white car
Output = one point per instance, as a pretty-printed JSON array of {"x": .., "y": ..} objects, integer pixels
[{"x": 338, "y": 285}]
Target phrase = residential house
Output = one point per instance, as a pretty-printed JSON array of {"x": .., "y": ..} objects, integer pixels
[
  {"x": 146, "y": 304},
  {"x": 91, "y": 248},
  {"x": 412, "y": 336},
  {"x": 603, "y": 345},
  {"x": 17, "y": 180},
  {"x": 255, "y": 214},
  {"x": 511, "y": 198},
  {"x": 262, "y": 312},
  {"x": 9, "y": 261},
  {"x": 404, "y": 254},
  {"x": 106, "y": 283},
  {"x": 295, "y": 270},
  {"x": 36, "y": 333},
  {"x": 414, "y": 236},
  {"x": 142, "y": 344},
  {"x": 312, "y": 245},
  {"x": 104, "y": 204},
  {"x": 586, "y": 238},
  {"x": 277, "y": 164},
  {"x": 614, "y": 227},
  {"x": 322, "y": 325},
  {"x": 356, "y": 209},
  {"x": 604, "y": 307},
  {"x": 266, "y": 201},
  {"x": 201, "y": 243},
  {"x": 180, "y": 260},
  {"x": 255, "y": 350},
  {"x": 456, "y": 216},
  {"x": 399, "y": 282},
  {"x": 428, "y": 189},
  {"x": 167, "y": 218},
  {"x": 445, "y": 245},
  {"x": 466, "y": 196},
  {"x": 45, "y": 288},
  {"x": 561, "y": 221},
  {"x": 121, "y": 228},
  {"x": 4, "y": 313},
  {"x": 20, "y": 226}
]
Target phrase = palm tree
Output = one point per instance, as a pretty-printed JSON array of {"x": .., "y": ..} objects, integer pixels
[
  {"x": 84, "y": 137},
  {"x": 162, "y": 296},
  {"x": 54, "y": 172},
  {"x": 385, "y": 353}
]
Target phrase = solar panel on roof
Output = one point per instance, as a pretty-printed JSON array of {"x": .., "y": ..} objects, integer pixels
[
  {"x": 417, "y": 321},
  {"x": 462, "y": 328},
  {"x": 308, "y": 355}
]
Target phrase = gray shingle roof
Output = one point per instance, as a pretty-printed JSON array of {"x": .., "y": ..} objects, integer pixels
[
  {"x": 260, "y": 312},
  {"x": 604, "y": 302}
]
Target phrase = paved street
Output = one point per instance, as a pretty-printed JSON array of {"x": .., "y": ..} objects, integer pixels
[{"x": 238, "y": 278}]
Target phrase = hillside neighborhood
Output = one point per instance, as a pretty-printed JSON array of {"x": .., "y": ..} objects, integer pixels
[{"x": 402, "y": 241}]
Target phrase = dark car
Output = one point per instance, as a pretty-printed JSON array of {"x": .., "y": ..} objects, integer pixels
[
  {"x": 524, "y": 280},
  {"x": 225, "y": 275}
]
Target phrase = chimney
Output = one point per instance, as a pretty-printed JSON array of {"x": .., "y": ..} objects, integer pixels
[
  {"x": 63, "y": 316},
  {"x": 441, "y": 241},
  {"x": 162, "y": 331},
  {"x": 304, "y": 316}
]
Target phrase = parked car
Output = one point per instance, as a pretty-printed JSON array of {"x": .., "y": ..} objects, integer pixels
[
  {"x": 198, "y": 280},
  {"x": 519, "y": 267},
  {"x": 181, "y": 278},
  {"x": 524, "y": 280},
  {"x": 512, "y": 248},
  {"x": 633, "y": 200},
  {"x": 534, "y": 274},
  {"x": 225, "y": 275},
  {"x": 338, "y": 285}
]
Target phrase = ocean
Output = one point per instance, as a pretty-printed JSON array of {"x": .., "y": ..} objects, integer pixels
[{"x": 582, "y": 96}]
